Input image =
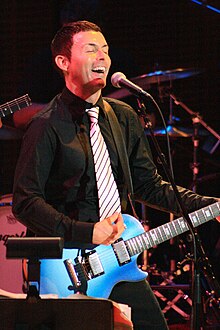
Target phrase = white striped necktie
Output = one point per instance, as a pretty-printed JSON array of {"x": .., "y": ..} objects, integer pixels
[{"x": 109, "y": 201}]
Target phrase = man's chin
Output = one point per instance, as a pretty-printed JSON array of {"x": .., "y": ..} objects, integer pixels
[{"x": 98, "y": 83}]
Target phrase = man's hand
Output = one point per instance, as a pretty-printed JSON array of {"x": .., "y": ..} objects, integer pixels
[{"x": 108, "y": 230}]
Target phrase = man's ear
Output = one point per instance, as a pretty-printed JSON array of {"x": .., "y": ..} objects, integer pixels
[{"x": 62, "y": 62}]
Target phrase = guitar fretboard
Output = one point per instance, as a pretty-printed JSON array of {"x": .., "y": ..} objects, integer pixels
[
  {"x": 15, "y": 105},
  {"x": 171, "y": 229}
]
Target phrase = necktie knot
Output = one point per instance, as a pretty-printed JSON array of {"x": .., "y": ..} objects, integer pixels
[{"x": 93, "y": 114}]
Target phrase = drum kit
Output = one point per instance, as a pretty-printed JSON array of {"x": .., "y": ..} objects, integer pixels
[{"x": 9, "y": 226}]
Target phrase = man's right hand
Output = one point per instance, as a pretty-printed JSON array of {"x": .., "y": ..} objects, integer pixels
[{"x": 108, "y": 230}]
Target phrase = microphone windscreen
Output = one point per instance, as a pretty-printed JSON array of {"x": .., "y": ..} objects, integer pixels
[{"x": 116, "y": 77}]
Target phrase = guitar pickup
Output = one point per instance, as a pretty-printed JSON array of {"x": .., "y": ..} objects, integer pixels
[
  {"x": 121, "y": 252},
  {"x": 93, "y": 264}
]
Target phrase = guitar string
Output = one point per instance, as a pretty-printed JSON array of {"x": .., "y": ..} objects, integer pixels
[
  {"x": 21, "y": 99},
  {"x": 16, "y": 101},
  {"x": 104, "y": 253}
]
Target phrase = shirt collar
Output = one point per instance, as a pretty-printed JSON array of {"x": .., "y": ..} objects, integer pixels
[{"x": 77, "y": 106}]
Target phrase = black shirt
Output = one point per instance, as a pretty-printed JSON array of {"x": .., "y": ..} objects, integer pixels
[{"x": 55, "y": 190}]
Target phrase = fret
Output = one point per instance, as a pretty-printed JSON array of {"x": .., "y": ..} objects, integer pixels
[
  {"x": 175, "y": 231},
  {"x": 161, "y": 238},
  {"x": 167, "y": 231},
  {"x": 215, "y": 208},
  {"x": 150, "y": 239},
  {"x": 9, "y": 107},
  {"x": 208, "y": 213},
  {"x": 139, "y": 244},
  {"x": 177, "y": 227},
  {"x": 130, "y": 247},
  {"x": 194, "y": 219},
  {"x": 152, "y": 236},
  {"x": 134, "y": 245},
  {"x": 172, "y": 229},
  {"x": 17, "y": 103},
  {"x": 127, "y": 244},
  {"x": 183, "y": 225},
  {"x": 163, "y": 234},
  {"x": 201, "y": 216},
  {"x": 143, "y": 241},
  {"x": 14, "y": 107},
  {"x": 146, "y": 240}
]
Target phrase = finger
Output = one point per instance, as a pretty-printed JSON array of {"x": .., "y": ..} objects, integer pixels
[
  {"x": 113, "y": 218},
  {"x": 120, "y": 223}
]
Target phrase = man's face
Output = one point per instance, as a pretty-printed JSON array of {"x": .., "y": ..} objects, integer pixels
[{"x": 90, "y": 62}]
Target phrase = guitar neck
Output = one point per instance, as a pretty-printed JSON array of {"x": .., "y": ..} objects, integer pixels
[
  {"x": 171, "y": 229},
  {"x": 15, "y": 105}
]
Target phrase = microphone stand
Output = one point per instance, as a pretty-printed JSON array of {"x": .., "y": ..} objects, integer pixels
[
  {"x": 198, "y": 251},
  {"x": 195, "y": 164}
]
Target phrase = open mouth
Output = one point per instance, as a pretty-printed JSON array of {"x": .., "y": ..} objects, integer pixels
[{"x": 99, "y": 69}]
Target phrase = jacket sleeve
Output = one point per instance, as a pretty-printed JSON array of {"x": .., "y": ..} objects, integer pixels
[{"x": 29, "y": 202}]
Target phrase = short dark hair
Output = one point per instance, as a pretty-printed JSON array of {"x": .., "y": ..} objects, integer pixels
[{"x": 63, "y": 40}]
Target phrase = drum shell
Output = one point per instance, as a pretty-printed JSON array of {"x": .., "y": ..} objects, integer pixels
[{"x": 11, "y": 278}]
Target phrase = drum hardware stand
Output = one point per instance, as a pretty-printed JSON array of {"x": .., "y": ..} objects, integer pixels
[
  {"x": 34, "y": 249},
  {"x": 197, "y": 116},
  {"x": 197, "y": 120},
  {"x": 203, "y": 265},
  {"x": 198, "y": 251},
  {"x": 168, "y": 284}
]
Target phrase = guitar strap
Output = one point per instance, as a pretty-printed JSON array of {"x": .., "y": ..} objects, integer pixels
[{"x": 123, "y": 157}]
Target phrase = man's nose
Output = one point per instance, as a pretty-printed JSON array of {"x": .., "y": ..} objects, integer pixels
[{"x": 101, "y": 54}]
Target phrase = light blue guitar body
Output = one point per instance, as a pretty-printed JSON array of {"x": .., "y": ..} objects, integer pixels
[{"x": 55, "y": 278}]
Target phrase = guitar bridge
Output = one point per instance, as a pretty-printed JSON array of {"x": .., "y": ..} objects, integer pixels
[
  {"x": 86, "y": 267},
  {"x": 77, "y": 276},
  {"x": 71, "y": 270},
  {"x": 121, "y": 252}
]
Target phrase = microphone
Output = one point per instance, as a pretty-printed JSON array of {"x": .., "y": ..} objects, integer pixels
[{"x": 119, "y": 80}]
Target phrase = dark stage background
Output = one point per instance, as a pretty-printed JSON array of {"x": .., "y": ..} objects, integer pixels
[{"x": 144, "y": 36}]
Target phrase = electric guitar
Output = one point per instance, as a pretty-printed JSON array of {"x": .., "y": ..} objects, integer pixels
[
  {"x": 100, "y": 269},
  {"x": 14, "y": 105}
]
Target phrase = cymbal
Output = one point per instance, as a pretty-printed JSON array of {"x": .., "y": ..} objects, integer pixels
[
  {"x": 146, "y": 80},
  {"x": 10, "y": 133},
  {"x": 162, "y": 76},
  {"x": 175, "y": 132}
]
